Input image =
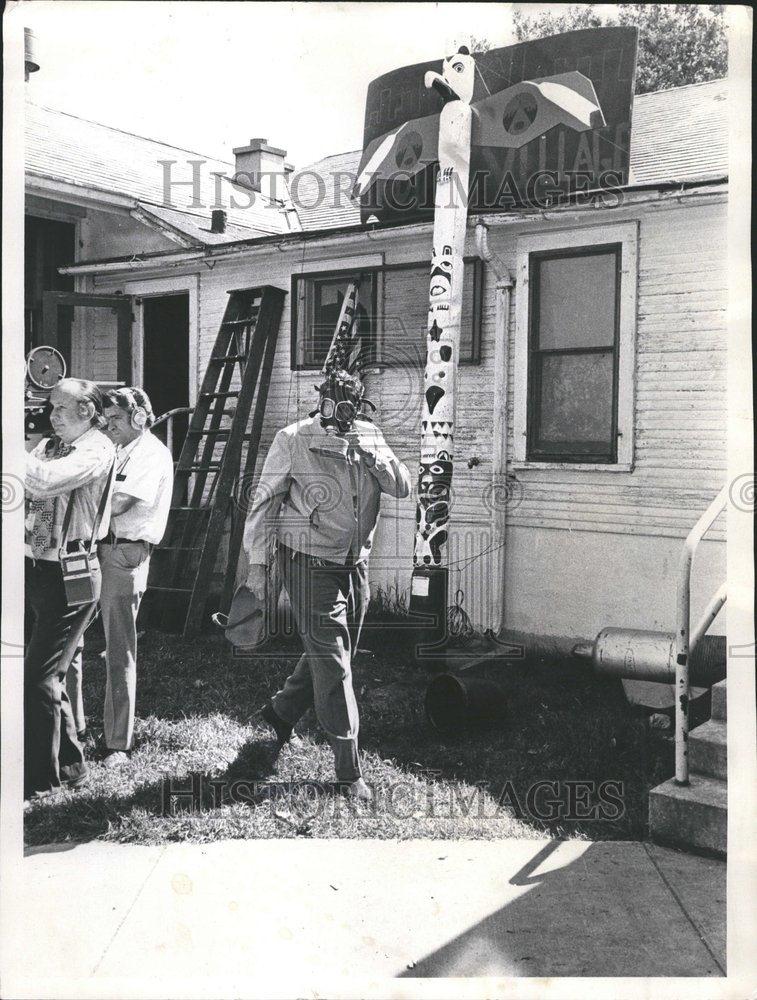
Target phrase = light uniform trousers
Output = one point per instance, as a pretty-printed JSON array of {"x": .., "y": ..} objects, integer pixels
[
  {"x": 124, "y": 570},
  {"x": 326, "y": 599}
]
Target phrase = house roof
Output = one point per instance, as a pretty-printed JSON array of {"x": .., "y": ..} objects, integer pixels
[
  {"x": 321, "y": 192},
  {"x": 677, "y": 135},
  {"x": 680, "y": 134},
  {"x": 196, "y": 225},
  {"x": 67, "y": 149}
]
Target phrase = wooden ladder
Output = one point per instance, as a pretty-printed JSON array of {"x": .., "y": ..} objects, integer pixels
[{"x": 204, "y": 481}]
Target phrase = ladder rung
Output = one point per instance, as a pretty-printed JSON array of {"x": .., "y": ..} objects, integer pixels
[
  {"x": 240, "y": 322},
  {"x": 249, "y": 328},
  {"x": 225, "y": 431}
]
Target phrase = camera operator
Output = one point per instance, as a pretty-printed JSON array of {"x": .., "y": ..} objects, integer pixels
[{"x": 68, "y": 478}]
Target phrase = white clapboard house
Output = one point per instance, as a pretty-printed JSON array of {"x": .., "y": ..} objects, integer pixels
[{"x": 553, "y": 532}]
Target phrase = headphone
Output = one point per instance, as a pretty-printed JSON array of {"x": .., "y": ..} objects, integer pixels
[{"x": 140, "y": 410}]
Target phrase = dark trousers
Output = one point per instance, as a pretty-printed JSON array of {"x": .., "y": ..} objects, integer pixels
[
  {"x": 52, "y": 753},
  {"x": 329, "y": 604}
]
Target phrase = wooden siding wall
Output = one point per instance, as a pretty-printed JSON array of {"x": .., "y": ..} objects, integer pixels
[
  {"x": 680, "y": 389},
  {"x": 680, "y": 392}
]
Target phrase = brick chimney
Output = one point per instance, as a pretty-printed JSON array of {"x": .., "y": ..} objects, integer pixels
[
  {"x": 31, "y": 65},
  {"x": 262, "y": 168},
  {"x": 218, "y": 221}
]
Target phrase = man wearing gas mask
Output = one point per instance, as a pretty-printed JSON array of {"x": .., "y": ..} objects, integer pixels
[{"x": 318, "y": 497}]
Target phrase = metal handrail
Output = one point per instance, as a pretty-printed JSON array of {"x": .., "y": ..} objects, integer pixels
[
  {"x": 168, "y": 418},
  {"x": 685, "y": 642},
  {"x": 712, "y": 610}
]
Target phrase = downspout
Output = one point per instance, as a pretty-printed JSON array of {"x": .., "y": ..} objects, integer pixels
[{"x": 499, "y": 489}]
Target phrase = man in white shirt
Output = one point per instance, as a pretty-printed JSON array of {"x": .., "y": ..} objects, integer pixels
[
  {"x": 67, "y": 480},
  {"x": 141, "y": 502}
]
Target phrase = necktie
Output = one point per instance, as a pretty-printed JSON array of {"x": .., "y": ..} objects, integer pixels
[{"x": 41, "y": 513}]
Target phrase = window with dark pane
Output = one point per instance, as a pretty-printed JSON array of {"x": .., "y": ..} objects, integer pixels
[
  {"x": 405, "y": 320},
  {"x": 398, "y": 337},
  {"x": 317, "y": 303},
  {"x": 573, "y": 355}
]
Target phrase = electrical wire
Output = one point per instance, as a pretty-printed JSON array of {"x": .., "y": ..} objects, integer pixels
[{"x": 458, "y": 623}]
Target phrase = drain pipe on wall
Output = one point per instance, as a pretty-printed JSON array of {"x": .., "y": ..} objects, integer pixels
[{"x": 499, "y": 496}]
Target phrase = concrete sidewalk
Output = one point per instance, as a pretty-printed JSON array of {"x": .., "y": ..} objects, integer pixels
[{"x": 280, "y": 918}]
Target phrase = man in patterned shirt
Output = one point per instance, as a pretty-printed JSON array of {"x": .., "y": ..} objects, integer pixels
[{"x": 69, "y": 472}]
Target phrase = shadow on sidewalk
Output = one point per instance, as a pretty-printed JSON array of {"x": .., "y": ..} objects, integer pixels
[{"x": 607, "y": 912}]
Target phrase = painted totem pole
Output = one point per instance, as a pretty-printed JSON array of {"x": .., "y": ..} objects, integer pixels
[
  {"x": 526, "y": 98},
  {"x": 455, "y": 84}
]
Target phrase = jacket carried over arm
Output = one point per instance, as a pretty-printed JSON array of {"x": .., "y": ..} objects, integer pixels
[{"x": 318, "y": 496}]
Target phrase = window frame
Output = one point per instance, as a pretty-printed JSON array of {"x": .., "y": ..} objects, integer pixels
[
  {"x": 564, "y": 243},
  {"x": 533, "y": 454},
  {"x": 378, "y": 302},
  {"x": 309, "y": 276}
]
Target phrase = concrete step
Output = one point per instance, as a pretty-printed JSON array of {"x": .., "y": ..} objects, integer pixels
[
  {"x": 694, "y": 816},
  {"x": 719, "y": 701},
  {"x": 708, "y": 750}
]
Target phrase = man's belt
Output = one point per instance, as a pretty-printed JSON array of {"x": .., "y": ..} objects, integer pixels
[
  {"x": 111, "y": 539},
  {"x": 290, "y": 553}
]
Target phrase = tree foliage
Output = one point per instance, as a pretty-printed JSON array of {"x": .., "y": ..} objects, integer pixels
[
  {"x": 678, "y": 43},
  {"x": 474, "y": 44}
]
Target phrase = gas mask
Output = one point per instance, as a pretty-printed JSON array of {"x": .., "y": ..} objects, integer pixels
[{"x": 339, "y": 405}]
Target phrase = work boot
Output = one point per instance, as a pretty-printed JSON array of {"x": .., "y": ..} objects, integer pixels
[{"x": 280, "y": 726}]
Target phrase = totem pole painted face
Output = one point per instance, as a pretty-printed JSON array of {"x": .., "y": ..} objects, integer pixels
[{"x": 432, "y": 513}]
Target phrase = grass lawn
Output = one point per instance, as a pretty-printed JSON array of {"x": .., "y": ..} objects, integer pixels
[{"x": 194, "y": 736}]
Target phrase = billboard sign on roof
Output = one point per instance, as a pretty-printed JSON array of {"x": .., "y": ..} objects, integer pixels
[{"x": 552, "y": 117}]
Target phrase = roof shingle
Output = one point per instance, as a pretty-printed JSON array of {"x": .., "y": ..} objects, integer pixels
[
  {"x": 678, "y": 135},
  {"x": 85, "y": 154}
]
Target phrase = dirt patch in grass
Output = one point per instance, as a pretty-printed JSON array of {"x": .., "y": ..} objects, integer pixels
[{"x": 202, "y": 771}]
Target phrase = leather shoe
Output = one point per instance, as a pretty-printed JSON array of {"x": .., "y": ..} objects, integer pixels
[
  {"x": 280, "y": 726},
  {"x": 115, "y": 758}
]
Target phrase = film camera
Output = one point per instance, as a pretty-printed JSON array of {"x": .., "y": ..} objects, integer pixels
[{"x": 45, "y": 367}]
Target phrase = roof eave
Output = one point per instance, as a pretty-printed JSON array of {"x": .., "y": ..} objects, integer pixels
[
  {"x": 234, "y": 247},
  {"x": 142, "y": 214}
]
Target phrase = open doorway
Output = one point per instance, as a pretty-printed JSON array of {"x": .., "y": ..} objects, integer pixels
[
  {"x": 49, "y": 244},
  {"x": 165, "y": 358}
]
